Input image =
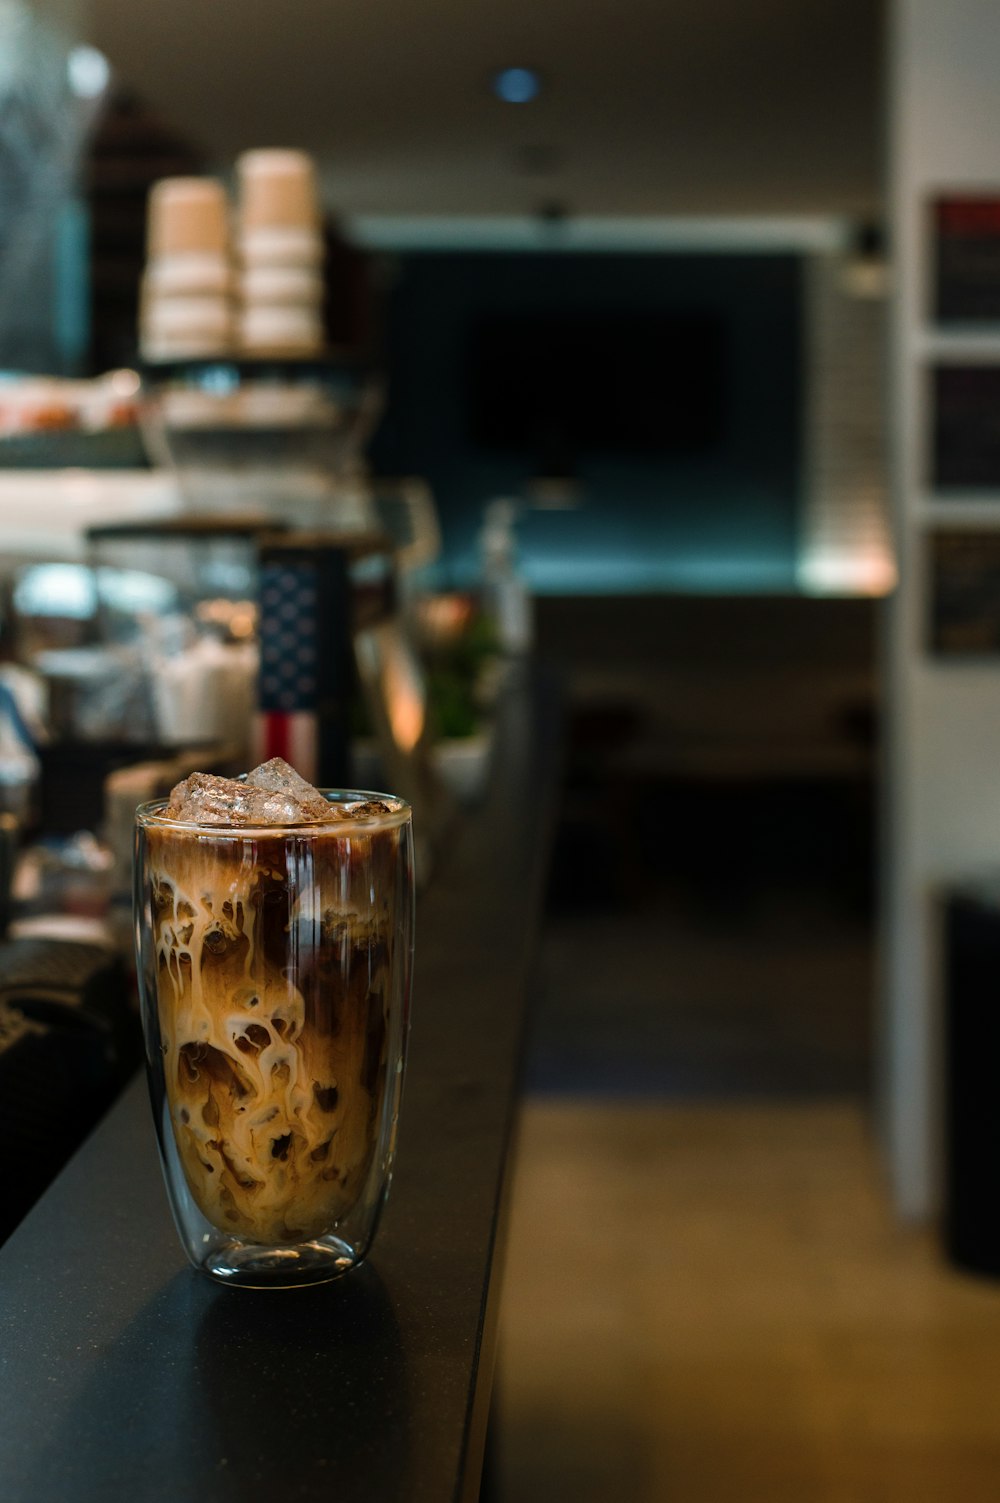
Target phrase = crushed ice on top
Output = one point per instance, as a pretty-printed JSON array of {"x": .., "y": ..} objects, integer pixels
[{"x": 273, "y": 794}]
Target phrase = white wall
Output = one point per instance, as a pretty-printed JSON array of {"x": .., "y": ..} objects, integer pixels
[
  {"x": 844, "y": 534},
  {"x": 943, "y": 742}
]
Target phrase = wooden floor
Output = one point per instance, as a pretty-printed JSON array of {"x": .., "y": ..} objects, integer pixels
[{"x": 712, "y": 1304}]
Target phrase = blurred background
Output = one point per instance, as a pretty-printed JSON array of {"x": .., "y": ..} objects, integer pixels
[{"x": 684, "y": 322}]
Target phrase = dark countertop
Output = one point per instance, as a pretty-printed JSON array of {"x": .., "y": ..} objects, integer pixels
[{"x": 128, "y": 1375}]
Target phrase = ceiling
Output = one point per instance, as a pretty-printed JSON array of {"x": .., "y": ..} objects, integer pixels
[{"x": 650, "y": 107}]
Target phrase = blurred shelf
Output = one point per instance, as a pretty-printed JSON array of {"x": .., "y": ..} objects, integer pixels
[
  {"x": 959, "y": 509},
  {"x": 45, "y": 513},
  {"x": 964, "y": 342}
]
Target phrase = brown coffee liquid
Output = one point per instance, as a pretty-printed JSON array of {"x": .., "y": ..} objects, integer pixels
[{"x": 274, "y": 959}]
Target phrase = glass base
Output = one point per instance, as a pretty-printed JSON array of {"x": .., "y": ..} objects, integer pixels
[{"x": 253, "y": 1265}]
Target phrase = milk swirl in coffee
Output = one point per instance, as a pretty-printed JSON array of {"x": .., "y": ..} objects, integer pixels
[{"x": 273, "y": 961}]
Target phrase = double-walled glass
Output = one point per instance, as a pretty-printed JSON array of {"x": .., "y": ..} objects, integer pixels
[{"x": 274, "y": 974}]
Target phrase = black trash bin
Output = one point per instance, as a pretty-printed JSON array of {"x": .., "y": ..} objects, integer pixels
[{"x": 972, "y": 1078}]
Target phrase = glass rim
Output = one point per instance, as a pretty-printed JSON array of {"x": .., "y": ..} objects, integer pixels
[{"x": 150, "y": 815}]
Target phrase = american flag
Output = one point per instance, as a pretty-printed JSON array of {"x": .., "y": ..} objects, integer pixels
[{"x": 289, "y": 664}]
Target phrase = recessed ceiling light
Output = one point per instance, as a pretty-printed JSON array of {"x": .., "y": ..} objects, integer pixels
[
  {"x": 89, "y": 72},
  {"x": 517, "y": 85}
]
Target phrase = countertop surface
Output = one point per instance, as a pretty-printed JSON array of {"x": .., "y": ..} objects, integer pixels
[{"x": 128, "y": 1375}]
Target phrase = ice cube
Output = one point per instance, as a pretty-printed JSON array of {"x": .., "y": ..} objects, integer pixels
[
  {"x": 278, "y": 777},
  {"x": 272, "y": 794},
  {"x": 203, "y": 799}
]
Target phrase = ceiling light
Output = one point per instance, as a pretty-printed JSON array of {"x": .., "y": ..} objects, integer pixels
[
  {"x": 88, "y": 71},
  {"x": 517, "y": 85}
]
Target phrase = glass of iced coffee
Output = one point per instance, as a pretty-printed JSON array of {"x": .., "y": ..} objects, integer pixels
[{"x": 274, "y": 935}]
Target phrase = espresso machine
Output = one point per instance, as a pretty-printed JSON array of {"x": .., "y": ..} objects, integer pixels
[{"x": 271, "y": 618}]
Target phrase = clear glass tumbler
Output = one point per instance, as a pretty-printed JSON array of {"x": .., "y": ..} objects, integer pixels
[{"x": 274, "y": 975}]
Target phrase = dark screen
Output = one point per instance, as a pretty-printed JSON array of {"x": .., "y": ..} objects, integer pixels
[{"x": 568, "y": 384}]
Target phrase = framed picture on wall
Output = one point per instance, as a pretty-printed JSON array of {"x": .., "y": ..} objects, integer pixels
[
  {"x": 965, "y": 408},
  {"x": 963, "y": 572},
  {"x": 966, "y": 259}
]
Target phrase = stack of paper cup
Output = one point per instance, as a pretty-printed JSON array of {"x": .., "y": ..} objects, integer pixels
[
  {"x": 186, "y": 308},
  {"x": 281, "y": 251}
]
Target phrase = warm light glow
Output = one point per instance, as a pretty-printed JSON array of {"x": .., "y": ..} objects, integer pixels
[
  {"x": 236, "y": 618},
  {"x": 124, "y": 383},
  {"x": 404, "y": 700},
  {"x": 443, "y": 618},
  {"x": 848, "y": 571},
  {"x": 865, "y": 278}
]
